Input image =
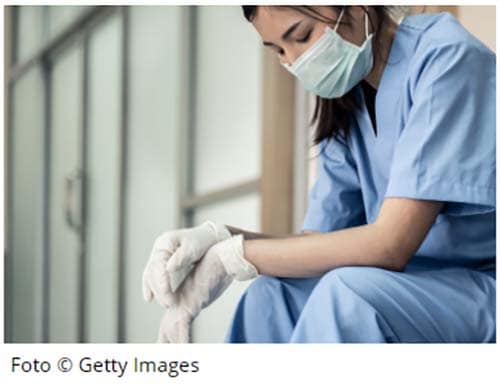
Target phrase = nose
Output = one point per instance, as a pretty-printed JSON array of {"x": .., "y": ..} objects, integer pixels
[
  {"x": 288, "y": 59},
  {"x": 291, "y": 55}
]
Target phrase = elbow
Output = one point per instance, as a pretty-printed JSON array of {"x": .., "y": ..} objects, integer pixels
[
  {"x": 394, "y": 249},
  {"x": 397, "y": 264},
  {"x": 396, "y": 258}
]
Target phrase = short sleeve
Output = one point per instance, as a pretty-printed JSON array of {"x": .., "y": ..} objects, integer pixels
[
  {"x": 446, "y": 149},
  {"x": 335, "y": 200}
]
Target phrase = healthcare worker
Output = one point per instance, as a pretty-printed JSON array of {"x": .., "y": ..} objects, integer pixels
[{"x": 398, "y": 242}]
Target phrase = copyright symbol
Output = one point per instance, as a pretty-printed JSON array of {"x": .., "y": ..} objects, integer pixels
[{"x": 64, "y": 364}]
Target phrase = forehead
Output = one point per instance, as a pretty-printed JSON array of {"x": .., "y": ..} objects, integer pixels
[{"x": 270, "y": 20}]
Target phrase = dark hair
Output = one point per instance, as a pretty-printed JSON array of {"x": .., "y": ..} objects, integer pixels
[{"x": 334, "y": 116}]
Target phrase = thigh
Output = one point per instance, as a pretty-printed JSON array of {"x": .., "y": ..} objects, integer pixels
[
  {"x": 443, "y": 305},
  {"x": 275, "y": 302},
  {"x": 292, "y": 294}
]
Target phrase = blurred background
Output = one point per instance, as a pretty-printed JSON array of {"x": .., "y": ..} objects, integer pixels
[{"x": 122, "y": 123}]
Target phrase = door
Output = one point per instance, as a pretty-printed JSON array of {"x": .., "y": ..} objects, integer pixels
[
  {"x": 102, "y": 188},
  {"x": 65, "y": 195}
]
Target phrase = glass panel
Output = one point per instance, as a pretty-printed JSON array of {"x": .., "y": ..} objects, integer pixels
[
  {"x": 61, "y": 16},
  {"x": 103, "y": 181},
  {"x": 30, "y": 31},
  {"x": 243, "y": 212},
  {"x": 228, "y": 96},
  {"x": 26, "y": 243},
  {"x": 38, "y": 24},
  {"x": 157, "y": 40},
  {"x": 66, "y": 112}
]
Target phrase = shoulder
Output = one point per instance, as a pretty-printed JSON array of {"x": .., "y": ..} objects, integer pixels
[
  {"x": 442, "y": 44},
  {"x": 440, "y": 29}
]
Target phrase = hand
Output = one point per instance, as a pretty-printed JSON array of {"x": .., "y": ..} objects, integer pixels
[
  {"x": 222, "y": 263},
  {"x": 176, "y": 250},
  {"x": 175, "y": 326}
]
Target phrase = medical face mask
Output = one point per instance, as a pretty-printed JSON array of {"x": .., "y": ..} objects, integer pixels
[{"x": 332, "y": 66}]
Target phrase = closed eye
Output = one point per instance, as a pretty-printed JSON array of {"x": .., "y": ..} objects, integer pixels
[{"x": 305, "y": 38}]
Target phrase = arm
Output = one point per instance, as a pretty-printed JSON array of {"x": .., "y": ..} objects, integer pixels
[
  {"x": 251, "y": 235},
  {"x": 247, "y": 234},
  {"x": 390, "y": 242}
]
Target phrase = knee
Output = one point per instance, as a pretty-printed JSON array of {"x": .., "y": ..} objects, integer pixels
[
  {"x": 358, "y": 278},
  {"x": 349, "y": 289},
  {"x": 347, "y": 298},
  {"x": 262, "y": 289}
]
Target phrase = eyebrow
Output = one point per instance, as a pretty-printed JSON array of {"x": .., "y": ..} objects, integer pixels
[{"x": 287, "y": 33}]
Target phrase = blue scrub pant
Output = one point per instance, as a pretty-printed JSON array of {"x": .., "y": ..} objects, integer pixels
[{"x": 368, "y": 304}]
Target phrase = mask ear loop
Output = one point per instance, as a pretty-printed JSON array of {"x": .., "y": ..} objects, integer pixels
[{"x": 338, "y": 20}]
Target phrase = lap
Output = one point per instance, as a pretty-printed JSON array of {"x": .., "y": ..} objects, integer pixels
[
  {"x": 448, "y": 304},
  {"x": 419, "y": 305}
]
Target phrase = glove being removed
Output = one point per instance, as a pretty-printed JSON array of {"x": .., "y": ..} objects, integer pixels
[
  {"x": 222, "y": 263},
  {"x": 177, "y": 251}
]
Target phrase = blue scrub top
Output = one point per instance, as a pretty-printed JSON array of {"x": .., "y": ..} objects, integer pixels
[{"x": 435, "y": 117}]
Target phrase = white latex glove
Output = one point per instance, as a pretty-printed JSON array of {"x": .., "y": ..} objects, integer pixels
[
  {"x": 176, "y": 251},
  {"x": 175, "y": 326},
  {"x": 222, "y": 263}
]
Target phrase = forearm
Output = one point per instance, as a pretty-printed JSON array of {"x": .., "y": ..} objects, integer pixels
[
  {"x": 248, "y": 234},
  {"x": 389, "y": 243},
  {"x": 314, "y": 254},
  {"x": 251, "y": 235}
]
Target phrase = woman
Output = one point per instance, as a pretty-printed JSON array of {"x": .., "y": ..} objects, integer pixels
[{"x": 398, "y": 242}]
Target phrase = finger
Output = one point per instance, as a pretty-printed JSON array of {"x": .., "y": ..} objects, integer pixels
[
  {"x": 180, "y": 332},
  {"x": 183, "y": 332},
  {"x": 164, "y": 291},
  {"x": 153, "y": 272},
  {"x": 146, "y": 291},
  {"x": 167, "y": 242},
  {"x": 169, "y": 300},
  {"x": 182, "y": 258},
  {"x": 164, "y": 300},
  {"x": 178, "y": 277},
  {"x": 162, "y": 337}
]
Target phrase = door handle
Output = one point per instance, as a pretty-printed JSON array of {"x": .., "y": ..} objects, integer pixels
[{"x": 73, "y": 195}]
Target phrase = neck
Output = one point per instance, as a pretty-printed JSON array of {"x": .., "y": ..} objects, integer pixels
[{"x": 381, "y": 53}]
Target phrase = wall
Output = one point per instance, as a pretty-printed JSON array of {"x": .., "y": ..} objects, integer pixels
[{"x": 481, "y": 21}]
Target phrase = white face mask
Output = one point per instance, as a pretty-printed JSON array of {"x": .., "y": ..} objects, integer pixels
[{"x": 332, "y": 66}]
